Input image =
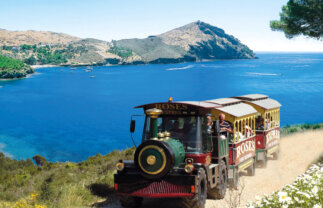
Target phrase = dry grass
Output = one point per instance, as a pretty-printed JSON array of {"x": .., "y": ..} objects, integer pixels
[{"x": 30, "y": 37}]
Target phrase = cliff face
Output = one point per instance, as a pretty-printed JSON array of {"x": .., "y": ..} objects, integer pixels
[
  {"x": 192, "y": 42},
  {"x": 217, "y": 44}
]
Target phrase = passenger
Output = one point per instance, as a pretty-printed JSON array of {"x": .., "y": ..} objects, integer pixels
[
  {"x": 260, "y": 123},
  {"x": 247, "y": 129},
  {"x": 238, "y": 136},
  {"x": 224, "y": 125}
]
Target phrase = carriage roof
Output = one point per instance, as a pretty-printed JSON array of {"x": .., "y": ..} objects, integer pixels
[
  {"x": 230, "y": 106},
  {"x": 252, "y": 97},
  {"x": 267, "y": 103},
  {"x": 238, "y": 110},
  {"x": 202, "y": 104},
  {"x": 225, "y": 101},
  {"x": 260, "y": 100}
]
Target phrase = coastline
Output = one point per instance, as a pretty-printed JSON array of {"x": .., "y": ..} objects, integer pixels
[
  {"x": 12, "y": 79},
  {"x": 127, "y": 64},
  {"x": 43, "y": 66}
]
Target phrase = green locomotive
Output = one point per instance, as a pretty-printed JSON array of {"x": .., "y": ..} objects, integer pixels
[{"x": 185, "y": 154}]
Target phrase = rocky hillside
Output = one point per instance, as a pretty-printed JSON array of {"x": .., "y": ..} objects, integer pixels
[
  {"x": 31, "y": 37},
  {"x": 205, "y": 41},
  {"x": 193, "y": 42},
  {"x": 196, "y": 41}
]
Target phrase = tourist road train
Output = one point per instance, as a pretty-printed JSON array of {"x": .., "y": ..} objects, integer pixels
[{"x": 194, "y": 150}]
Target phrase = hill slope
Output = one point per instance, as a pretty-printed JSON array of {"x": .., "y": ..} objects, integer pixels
[
  {"x": 31, "y": 37},
  {"x": 205, "y": 41},
  {"x": 193, "y": 42}
]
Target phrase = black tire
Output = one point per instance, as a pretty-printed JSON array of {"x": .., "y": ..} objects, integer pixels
[
  {"x": 251, "y": 170},
  {"x": 220, "y": 190},
  {"x": 276, "y": 154},
  {"x": 234, "y": 182},
  {"x": 197, "y": 201},
  {"x": 130, "y": 201}
]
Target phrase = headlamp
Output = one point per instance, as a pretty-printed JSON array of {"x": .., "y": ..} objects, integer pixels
[
  {"x": 120, "y": 166},
  {"x": 189, "y": 168}
]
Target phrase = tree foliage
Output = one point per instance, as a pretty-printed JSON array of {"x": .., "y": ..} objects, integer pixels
[
  {"x": 10, "y": 63},
  {"x": 12, "y": 68},
  {"x": 40, "y": 160},
  {"x": 301, "y": 17},
  {"x": 31, "y": 60}
]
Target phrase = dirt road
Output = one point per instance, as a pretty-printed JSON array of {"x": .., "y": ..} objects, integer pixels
[{"x": 297, "y": 152}]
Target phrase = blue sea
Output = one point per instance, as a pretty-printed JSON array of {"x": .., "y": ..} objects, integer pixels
[{"x": 65, "y": 115}]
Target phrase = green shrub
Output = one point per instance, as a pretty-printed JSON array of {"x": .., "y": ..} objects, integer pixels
[
  {"x": 65, "y": 184},
  {"x": 288, "y": 129},
  {"x": 12, "y": 68}
]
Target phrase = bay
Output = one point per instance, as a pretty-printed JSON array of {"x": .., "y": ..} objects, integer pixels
[{"x": 69, "y": 115}]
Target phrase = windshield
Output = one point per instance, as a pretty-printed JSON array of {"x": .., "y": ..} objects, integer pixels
[{"x": 183, "y": 128}]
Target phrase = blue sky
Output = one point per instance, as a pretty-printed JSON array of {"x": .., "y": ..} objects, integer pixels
[{"x": 248, "y": 20}]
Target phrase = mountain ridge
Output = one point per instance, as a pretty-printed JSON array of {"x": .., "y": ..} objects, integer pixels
[{"x": 196, "y": 41}]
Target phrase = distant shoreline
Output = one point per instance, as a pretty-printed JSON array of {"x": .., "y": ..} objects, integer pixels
[
  {"x": 128, "y": 64},
  {"x": 43, "y": 66},
  {"x": 12, "y": 79}
]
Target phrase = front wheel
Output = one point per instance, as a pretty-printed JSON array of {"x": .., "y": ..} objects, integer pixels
[
  {"x": 219, "y": 191},
  {"x": 130, "y": 201},
  {"x": 197, "y": 201}
]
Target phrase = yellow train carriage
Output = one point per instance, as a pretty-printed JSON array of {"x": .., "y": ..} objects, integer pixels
[
  {"x": 267, "y": 125},
  {"x": 242, "y": 151}
]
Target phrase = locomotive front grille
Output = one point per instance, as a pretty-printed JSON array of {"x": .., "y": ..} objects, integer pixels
[{"x": 156, "y": 189}]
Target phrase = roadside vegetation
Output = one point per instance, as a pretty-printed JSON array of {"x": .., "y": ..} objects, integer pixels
[
  {"x": 71, "y": 184},
  {"x": 58, "y": 184},
  {"x": 12, "y": 68},
  {"x": 286, "y": 130},
  {"x": 306, "y": 191}
]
